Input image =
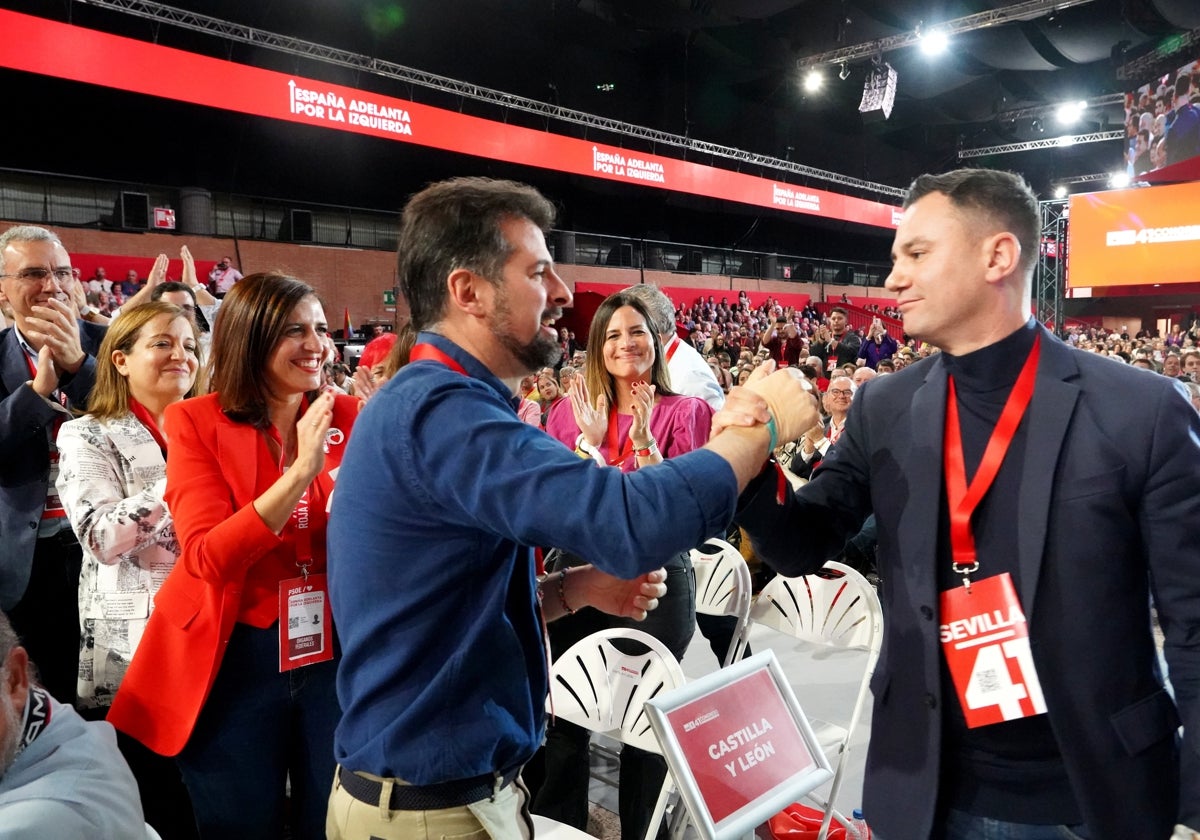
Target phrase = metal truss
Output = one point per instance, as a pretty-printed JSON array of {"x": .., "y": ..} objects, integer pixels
[
  {"x": 1046, "y": 143},
  {"x": 1029, "y": 10},
  {"x": 1086, "y": 179},
  {"x": 160, "y": 13},
  {"x": 1050, "y": 280},
  {"x": 1043, "y": 110},
  {"x": 1161, "y": 59}
]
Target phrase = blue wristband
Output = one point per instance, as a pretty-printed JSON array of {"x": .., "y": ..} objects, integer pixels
[{"x": 773, "y": 431}]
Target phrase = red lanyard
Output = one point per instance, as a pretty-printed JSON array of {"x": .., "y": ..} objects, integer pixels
[
  {"x": 963, "y": 499},
  {"x": 617, "y": 455},
  {"x": 672, "y": 347},
  {"x": 147, "y": 419},
  {"x": 302, "y": 513},
  {"x": 427, "y": 352},
  {"x": 58, "y": 394}
]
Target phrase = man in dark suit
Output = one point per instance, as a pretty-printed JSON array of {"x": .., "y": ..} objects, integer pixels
[
  {"x": 47, "y": 368},
  {"x": 1047, "y": 715}
]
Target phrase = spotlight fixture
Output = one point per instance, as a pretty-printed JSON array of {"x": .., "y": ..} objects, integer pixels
[
  {"x": 844, "y": 73},
  {"x": 934, "y": 42},
  {"x": 1119, "y": 180},
  {"x": 1060, "y": 191},
  {"x": 1070, "y": 113},
  {"x": 813, "y": 80}
]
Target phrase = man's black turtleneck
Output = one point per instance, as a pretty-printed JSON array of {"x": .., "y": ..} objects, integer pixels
[{"x": 989, "y": 770}]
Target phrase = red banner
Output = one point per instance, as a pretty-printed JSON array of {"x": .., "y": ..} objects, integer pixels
[{"x": 37, "y": 45}]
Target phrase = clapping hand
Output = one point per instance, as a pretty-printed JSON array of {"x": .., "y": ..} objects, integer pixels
[
  {"x": 592, "y": 421},
  {"x": 643, "y": 408}
]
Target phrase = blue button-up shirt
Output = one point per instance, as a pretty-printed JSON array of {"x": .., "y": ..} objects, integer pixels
[{"x": 441, "y": 494}]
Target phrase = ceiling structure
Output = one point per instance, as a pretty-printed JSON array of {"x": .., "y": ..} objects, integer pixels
[{"x": 724, "y": 72}]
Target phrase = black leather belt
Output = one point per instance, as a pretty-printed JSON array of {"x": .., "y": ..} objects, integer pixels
[{"x": 428, "y": 797}]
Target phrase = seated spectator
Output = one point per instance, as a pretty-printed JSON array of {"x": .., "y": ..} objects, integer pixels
[
  {"x": 549, "y": 392},
  {"x": 60, "y": 776},
  {"x": 130, "y": 286}
]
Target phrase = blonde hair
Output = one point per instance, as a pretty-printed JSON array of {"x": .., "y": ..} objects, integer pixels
[{"x": 110, "y": 395}]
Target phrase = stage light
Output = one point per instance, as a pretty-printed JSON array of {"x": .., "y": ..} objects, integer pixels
[
  {"x": 813, "y": 81},
  {"x": 1070, "y": 113},
  {"x": 844, "y": 73},
  {"x": 1060, "y": 191},
  {"x": 934, "y": 42},
  {"x": 1119, "y": 180}
]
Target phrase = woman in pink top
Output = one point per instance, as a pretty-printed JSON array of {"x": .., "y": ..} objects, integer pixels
[{"x": 622, "y": 413}]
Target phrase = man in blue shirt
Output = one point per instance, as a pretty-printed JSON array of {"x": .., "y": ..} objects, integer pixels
[{"x": 443, "y": 676}]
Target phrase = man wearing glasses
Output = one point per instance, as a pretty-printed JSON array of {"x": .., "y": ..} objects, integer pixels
[
  {"x": 47, "y": 368},
  {"x": 819, "y": 438}
]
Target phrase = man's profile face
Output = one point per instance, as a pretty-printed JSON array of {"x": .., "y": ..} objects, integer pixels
[
  {"x": 938, "y": 272},
  {"x": 529, "y": 296}
]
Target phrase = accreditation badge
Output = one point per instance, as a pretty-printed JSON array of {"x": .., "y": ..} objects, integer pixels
[
  {"x": 985, "y": 640},
  {"x": 305, "y": 622}
]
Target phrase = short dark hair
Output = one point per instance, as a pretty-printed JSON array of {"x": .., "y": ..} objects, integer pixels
[
  {"x": 839, "y": 309},
  {"x": 1003, "y": 199},
  {"x": 249, "y": 324},
  {"x": 456, "y": 224},
  {"x": 172, "y": 286},
  {"x": 1183, "y": 84}
]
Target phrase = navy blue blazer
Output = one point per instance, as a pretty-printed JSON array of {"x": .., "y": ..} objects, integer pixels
[
  {"x": 1109, "y": 514},
  {"x": 25, "y": 452}
]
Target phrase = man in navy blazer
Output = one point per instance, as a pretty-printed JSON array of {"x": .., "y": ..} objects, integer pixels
[
  {"x": 47, "y": 368},
  {"x": 1094, "y": 511}
]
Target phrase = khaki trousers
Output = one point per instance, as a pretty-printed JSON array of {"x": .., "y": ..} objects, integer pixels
[{"x": 504, "y": 818}]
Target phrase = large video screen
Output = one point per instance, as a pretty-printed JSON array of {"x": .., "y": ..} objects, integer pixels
[
  {"x": 1149, "y": 235},
  {"x": 1162, "y": 121}
]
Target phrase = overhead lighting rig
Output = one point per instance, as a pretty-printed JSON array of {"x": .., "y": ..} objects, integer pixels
[{"x": 1029, "y": 10}]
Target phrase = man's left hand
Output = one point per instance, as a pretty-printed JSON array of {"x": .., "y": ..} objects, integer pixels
[{"x": 590, "y": 587}]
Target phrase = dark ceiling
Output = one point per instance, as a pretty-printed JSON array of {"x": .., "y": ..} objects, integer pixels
[{"x": 715, "y": 70}]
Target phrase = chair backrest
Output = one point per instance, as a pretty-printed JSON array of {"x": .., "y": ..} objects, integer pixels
[
  {"x": 834, "y": 606},
  {"x": 599, "y": 687},
  {"x": 723, "y": 587}
]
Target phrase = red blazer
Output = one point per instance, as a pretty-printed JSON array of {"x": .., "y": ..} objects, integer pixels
[{"x": 212, "y": 476}]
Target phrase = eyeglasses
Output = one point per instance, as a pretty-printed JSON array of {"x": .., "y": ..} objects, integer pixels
[
  {"x": 39, "y": 275},
  {"x": 838, "y": 392}
]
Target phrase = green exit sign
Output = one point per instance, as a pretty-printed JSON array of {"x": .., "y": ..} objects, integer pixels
[{"x": 389, "y": 297}]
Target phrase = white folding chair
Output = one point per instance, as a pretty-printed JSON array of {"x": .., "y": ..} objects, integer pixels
[
  {"x": 596, "y": 686},
  {"x": 723, "y": 587},
  {"x": 833, "y": 608}
]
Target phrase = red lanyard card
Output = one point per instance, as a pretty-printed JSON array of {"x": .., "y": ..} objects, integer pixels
[
  {"x": 985, "y": 640},
  {"x": 305, "y": 622}
]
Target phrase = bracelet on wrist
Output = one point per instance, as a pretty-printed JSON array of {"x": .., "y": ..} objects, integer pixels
[
  {"x": 647, "y": 450},
  {"x": 773, "y": 431},
  {"x": 562, "y": 592}
]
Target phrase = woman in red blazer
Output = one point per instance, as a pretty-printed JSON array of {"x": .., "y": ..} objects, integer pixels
[{"x": 251, "y": 467}]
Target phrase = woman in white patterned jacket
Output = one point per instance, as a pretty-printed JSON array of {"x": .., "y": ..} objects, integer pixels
[{"x": 112, "y": 475}]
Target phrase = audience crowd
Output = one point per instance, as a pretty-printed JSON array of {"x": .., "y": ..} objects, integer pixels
[{"x": 119, "y": 372}]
